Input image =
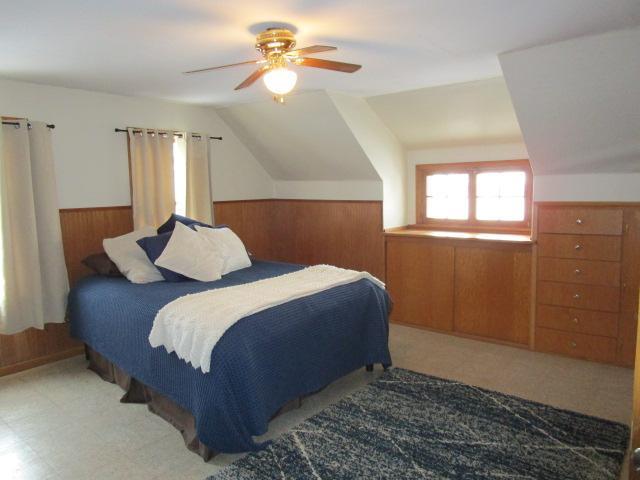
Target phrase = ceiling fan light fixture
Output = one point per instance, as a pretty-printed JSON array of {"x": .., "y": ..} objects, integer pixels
[{"x": 280, "y": 80}]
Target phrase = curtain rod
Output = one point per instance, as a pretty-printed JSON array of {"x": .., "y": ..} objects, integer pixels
[
  {"x": 175, "y": 134},
  {"x": 17, "y": 124}
]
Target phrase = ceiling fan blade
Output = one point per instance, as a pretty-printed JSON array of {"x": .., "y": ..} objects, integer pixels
[
  {"x": 208, "y": 69},
  {"x": 309, "y": 50},
  {"x": 328, "y": 65},
  {"x": 250, "y": 80}
]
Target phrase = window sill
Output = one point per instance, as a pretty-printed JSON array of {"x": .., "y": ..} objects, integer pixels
[{"x": 459, "y": 235}]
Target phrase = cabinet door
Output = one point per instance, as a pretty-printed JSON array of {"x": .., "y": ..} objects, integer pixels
[
  {"x": 420, "y": 282},
  {"x": 493, "y": 293},
  {"x": 630, "y": 287}
]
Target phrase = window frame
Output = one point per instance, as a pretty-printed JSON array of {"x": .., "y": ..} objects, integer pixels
[{"x": 472, "y": 169}]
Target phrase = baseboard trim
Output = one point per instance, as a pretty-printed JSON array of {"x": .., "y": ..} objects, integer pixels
[
  {"x": 36, "y": 362},
  {"x": 301, "y": 200},
  {"x": 524, "y": 346}
]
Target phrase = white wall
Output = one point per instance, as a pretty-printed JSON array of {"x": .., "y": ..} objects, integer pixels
[
  {"x": 329, "y": 190},
  {"x": 383, "y": 150},
  {"x": 578, "y": 104},
  {"x": 596, "y": 187},
  {"x": 306, "y": 139},
  {"x": 473, "y": 113},
  {"x": 91, "y": 159},
  {"x": 478, "y": 153}
]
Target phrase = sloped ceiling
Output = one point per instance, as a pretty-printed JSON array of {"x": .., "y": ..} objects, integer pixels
[
  {"x": 305, "y": 139},
  {"x": 140, "y": 47},
  {"x": 383, "y": 151},
  {"x": 472, "y": 113},
  {"x": 578, "y": 103}
]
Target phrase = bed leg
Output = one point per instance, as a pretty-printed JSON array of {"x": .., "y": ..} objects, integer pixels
[
  {"x": 369, "y": 367},
  {"x": 386, "y": 366}
]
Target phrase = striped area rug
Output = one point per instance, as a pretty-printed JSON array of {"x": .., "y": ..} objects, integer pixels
[{"x": 409, "y": 425}]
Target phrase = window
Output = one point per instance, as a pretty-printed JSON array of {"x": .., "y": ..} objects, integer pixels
[{"x": 490, "y": 196}]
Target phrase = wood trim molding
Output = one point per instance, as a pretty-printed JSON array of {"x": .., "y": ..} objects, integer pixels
[
  {"x": 587, "y": 204},
  {"x": 93, "y": 209},
  {"x": 472, "y": 169},
  {"x": 39, "y": 361},
  {"x": 309, "y": 200},
  {"x": 461, "y": 237}
]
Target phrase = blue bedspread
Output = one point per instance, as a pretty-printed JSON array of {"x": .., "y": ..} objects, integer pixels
[{"x": 261, "y": 363}]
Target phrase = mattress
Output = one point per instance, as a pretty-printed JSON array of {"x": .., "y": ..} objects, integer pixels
[{"x": 261, "y": 363}]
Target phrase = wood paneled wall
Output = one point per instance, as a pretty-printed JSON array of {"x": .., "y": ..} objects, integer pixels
[
  {"x": 82, "y": 232},
  {"x": 252, "y": 220},
  {"x": 347, "y": 234},
  {"x": 343, "y": 233}
]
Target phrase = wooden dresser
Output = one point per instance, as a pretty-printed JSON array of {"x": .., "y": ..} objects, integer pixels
[{"x": 587, "y": 281}]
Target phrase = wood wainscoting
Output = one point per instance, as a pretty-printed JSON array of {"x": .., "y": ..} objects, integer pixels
[
  {"x": 82, "y": 232},
  {"x": 344, "y": 233},
  {"x": 348, "y": 234}
]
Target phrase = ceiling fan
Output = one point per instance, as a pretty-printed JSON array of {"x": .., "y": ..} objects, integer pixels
[{"x": 277, "y": 48}]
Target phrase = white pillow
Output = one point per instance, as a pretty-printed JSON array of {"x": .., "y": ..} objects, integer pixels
[
  {"x": 130, "y": 258},
  {"x": 191, "y": 255},
  {"x": 236, "y": 256}
]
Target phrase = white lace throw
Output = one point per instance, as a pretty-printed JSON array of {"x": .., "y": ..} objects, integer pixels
[{"x": 193, "y": 324}]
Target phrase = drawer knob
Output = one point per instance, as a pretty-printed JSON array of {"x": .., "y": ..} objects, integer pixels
[
  {"x": 575, "y": 320},
  {"x": 578, "y": 246},
  {"x": 573, "y": 344},
  {"x": 577, "y": 271},
  {"x": 578, "y": 221},
  {"x": 576, "y": 296}
]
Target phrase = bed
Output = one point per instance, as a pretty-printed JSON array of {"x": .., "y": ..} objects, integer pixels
[{"x": 262, "y": 363}]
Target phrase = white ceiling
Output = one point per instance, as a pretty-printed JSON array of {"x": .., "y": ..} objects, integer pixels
[
  {"x": 578, "y": 103},
  {"x": 293, "y": 145},
  {"x": 139, "y": 47},
  {"x": 472, "y": 113}
]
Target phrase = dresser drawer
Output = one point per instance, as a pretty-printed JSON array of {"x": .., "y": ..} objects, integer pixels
[
  {"x": 579, "y": 321},
  {"x": 590, "y": 272},
  {"x": 592, "y": 247},
  {"x": 592, "y": 221},
  {"x": 579, "y": 345},
  {"x": 590, "y": 297}
]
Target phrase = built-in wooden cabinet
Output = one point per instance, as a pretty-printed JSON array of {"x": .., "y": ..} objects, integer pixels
[
  {"x": 472, "y": 286},
  {"x": 572, "y": 289},
  {"x": 492, "y": 291},
  {"x": 588, "y": 264},
  {"x": 420, "y": 281}
]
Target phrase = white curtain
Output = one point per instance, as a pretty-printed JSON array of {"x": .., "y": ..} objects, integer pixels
[
  {"x": 33, "y": 275},
  {"x": 199, "y": 203},
  {"x": 153, "y": 198}
]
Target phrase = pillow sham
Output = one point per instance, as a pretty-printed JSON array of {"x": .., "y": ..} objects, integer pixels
[
  {"x": 153, "y": 247},
  {"x": 130, "y": 259},
  {"x": 190, "y": 254},
  {"x": 101, "y": 264},
  {"x": 236, "y": 256},
  {"x": 170, "y": 224}
]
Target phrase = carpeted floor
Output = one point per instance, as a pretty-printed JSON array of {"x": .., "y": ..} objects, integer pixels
[{"x": 410, "y": 425}]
